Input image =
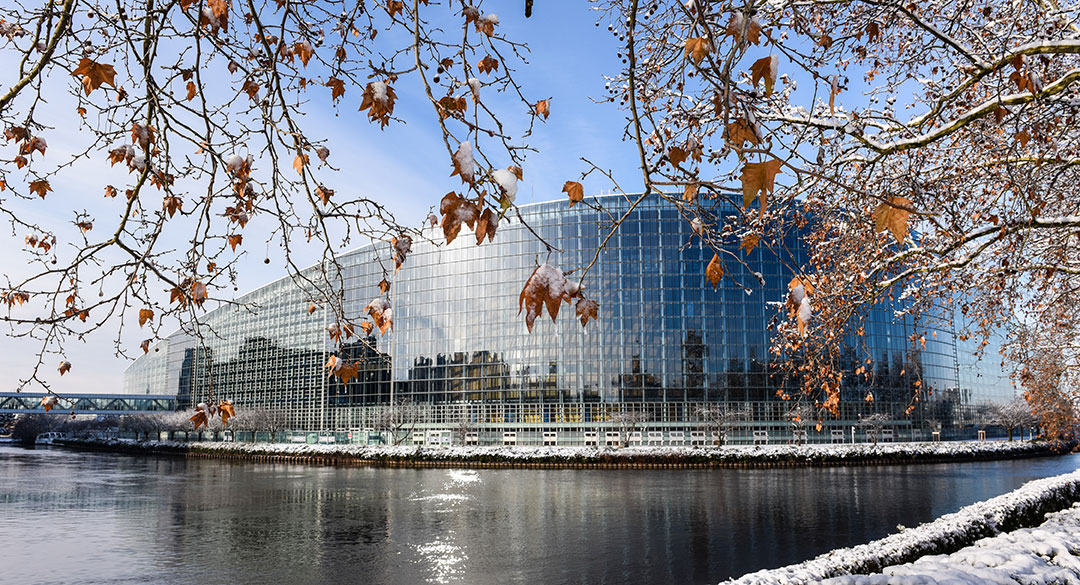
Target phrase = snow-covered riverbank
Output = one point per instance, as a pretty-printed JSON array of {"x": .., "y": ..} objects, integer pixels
[
  {"x": 1003, "y": 540},
  {"x": 764, "y": 456}
]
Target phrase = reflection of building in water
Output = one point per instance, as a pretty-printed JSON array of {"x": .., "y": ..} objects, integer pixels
[{"x": 666, "y": 342}]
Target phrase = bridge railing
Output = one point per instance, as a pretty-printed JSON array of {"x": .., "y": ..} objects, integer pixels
[{"x": 26, "y": 402}]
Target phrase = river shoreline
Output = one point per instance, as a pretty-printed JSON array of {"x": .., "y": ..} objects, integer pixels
[
  {"x": 752, "y": 457},
  {"x": 1025, "y": 516}
]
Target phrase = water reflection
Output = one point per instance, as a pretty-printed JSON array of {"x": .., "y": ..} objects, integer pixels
[{"x": 112, "y": 519}]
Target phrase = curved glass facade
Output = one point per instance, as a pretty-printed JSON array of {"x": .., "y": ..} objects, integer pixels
[{"x": 665, "y": 343}]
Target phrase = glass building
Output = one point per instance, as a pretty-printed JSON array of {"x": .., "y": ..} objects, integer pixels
[{"x": 665, "y": 345}]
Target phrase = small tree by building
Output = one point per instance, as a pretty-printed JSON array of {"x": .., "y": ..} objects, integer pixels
[
  {"x": 629, "y": 422},
  {"x": 261, "y": 420},
  {"x": 148, "y": 425},
  {"x": 721, "y": 417},
  {"x": 798, "y": 416},
  {"x": 1012, "y": 415},
  {"x": 874, "y": 423},
  {"x": 398, "y": 419},
  {"x": 463, "y": 423}
]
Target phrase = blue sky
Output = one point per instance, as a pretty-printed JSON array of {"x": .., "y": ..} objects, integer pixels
[{"x": 404, "y": 166}]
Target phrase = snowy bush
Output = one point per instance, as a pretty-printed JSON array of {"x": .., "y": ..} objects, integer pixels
[{"x": 1025, "y": 506}]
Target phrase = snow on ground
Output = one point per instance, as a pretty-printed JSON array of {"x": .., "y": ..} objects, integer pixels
[
  {"x": 900, "y": 452},
  {"x": 1041, "y": 555},
  {"x": 1029, "y": 556}
]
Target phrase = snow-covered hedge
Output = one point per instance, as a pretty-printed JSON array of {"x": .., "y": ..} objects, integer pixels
[
  {"x": 722, "y": 456},
  {"x": 1044, "y": 555},
  {"x": 1024, "y": 507}
]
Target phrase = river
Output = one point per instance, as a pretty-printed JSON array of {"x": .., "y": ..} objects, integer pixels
[{"x": 81, "y": 517}]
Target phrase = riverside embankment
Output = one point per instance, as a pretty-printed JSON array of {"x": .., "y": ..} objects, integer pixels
[{"x": 737, "y": 456}]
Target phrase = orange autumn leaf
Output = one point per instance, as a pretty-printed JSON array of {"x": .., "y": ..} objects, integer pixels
[
  {"x": 543, "y": 108},
  {"x": 488, "y": 64},
  {"x": 367, "y": 326},
  {"x": 575, "y": 191},
  {"x": 715, "y": 270},
  {"x": 546, "y": 287},
  {"x": 142, "y": 135},
  {"x": 873, "y": 31},
  {"x": 486, "y": 24},
  {"x": 750, "y": 242},
  {"x": 893, "y": 215},
  {"x": 64, "y": 367},
  {"x": 690, "y": 192},
  {"x": 299, "y": 162},
  {"x": 735, "y": 29},
  {"x": 464, "y": 163},
  {"x": 384, "y": 286},
  {"x": 304, "y": 50},
  {"x": 94, "y": 74},
  {"x": 378, "y": 100},
  {"x": 192, "y": 90},
  {"x": 456, "y": 210},
  {"x": 40, "y": 187},
  {"x": 177, "y": 295},
  {"x": 35, "y": 143},
  {"x": 337, "y": 88},
  {"x": 16, "y": 133},
  {"x": 401, "y": 245},
  {"x": 200, "y": 419},
  {"x": 586, "y": 309},
  {"x": 676, "y": 155},
  {"x": 48, "y": 402},
  {"x": 227, "y": 411},
  {"x": 471, "y": 13},
  {"x": 348, "y": 371},
  {"x": 145, "y": 315},
  {"x": 765, "y": 68},
  {"x": 235, "y": 240},
  {"x": 486, "y": 225},
  {"x": 1024, "y": 82},
  {"x": 758, "y": 180},
  {"x": 449, "y": 106},
  {"x": 311, "y": 308},
  {"x": 1023, "y": 137},
  {"x": 172, "y": 204},
  {"x": 798, "y": 302},
  {"x": 110, "y": 191},
  {"x": 696, "y": 49},
  {"x": 834, "y": 90},
  {"x": 740, "y": 132},
  {"x": 145, "y": 345},
  {"x": 381, "y": 314},
  {"x": 251, "y": 88},
  {"x": 324, "y": 193},
  {"x": 198, "y": 293}
]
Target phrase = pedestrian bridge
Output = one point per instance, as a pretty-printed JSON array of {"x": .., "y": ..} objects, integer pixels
[{"x": 30, "y": 402}]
